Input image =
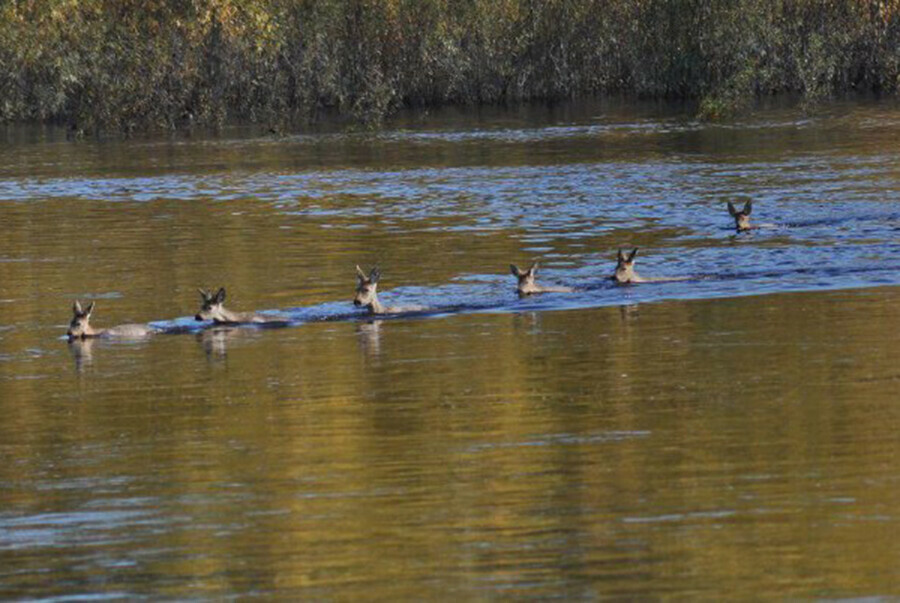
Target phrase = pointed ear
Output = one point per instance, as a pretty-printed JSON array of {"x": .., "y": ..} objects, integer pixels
[
  {"x": 631, "y": 256},
  {"x": 731, "y": 209},
  {"x": 533, "y": 268},
  {"x": 374, "y": 275},
  {"x": 90, "y": 309},
  {"x": 515, "y": 270},
  {"x": 76, "y": 308},
  {"x": 748, "y": 207},
  {"x": 621, "y": 256},
  {"x": 360, "y": 274},
  {"x": 220, "y": 295},
  {"x": 204, "y": 294}
]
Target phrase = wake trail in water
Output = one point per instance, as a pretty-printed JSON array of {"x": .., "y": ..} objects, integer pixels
[{"x": 602, "y": 292}]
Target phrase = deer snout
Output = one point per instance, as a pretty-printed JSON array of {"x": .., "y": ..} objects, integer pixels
[
  {"x": 198, "y": 317},
  {"x": 357, "y": 303}
]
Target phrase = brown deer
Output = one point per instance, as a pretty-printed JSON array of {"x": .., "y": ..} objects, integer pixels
[
  {"x": 80, "y": 327},
  {"x": 625, "y": 269},
  {"x": 212, "y": 308},
  {"x": 742, "y": 217},
  {"x": 526, "y": 282},
  {"x": 625, "y": 273},
  {"x": 367, "y": 294}
]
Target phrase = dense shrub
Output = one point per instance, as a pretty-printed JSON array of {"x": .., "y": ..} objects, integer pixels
[{"x": 141, "y": 63}]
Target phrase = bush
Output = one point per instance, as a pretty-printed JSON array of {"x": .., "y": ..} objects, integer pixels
[{"x": 126, "y": 64}]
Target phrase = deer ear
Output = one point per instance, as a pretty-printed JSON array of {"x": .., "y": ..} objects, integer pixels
[
  {"x": 515, "y": 270},
  {"x": 631, "y": 256},
  {"x": 731, "y": 209},
  {"x": 90, "y": 309},
  {"x": 76, "y": 308},
  {"x": 204, "y": 294},
  {"x": 220, "y": 295},
  {"x": 620, "y": 256},
  {"x": 374, "y": 275},
  {"x": 748, "y": 207},
  {"x": 533, "y": 268},
  {"x": 360, "y": 273}
]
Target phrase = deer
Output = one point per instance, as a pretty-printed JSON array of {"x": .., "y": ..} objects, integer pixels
[
  {"x": 212, "y": 308},
  {"x": 526, "y": 282},
  {"x": 742, "y": 217},
  {"x": 625, "y": 273},
  {"x": 367, "y": 294},
  {"x": 80, "y": 327}
]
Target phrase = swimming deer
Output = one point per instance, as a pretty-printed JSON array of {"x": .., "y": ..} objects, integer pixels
[
  {"x": 741, "y": 218},
  {"x": 527, "y": 286},
  {"x": 367, "y": 294},
  {"x": 625, "y": 269},
  {"x": 625, "y": 273},
  {"x": 212, "y": 308},
  {"x": 80, "y": 327}
]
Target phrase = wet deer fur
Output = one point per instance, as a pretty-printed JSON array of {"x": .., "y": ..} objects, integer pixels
[
  {"x": 742, "y": 217},
  {"x": 213, "y": 308},
  {"x": 625, "y": 273},
  {"x": 367, "y": 294},
  {"x": 526, "y": 282},
  {"x": 80, "y": 327}
]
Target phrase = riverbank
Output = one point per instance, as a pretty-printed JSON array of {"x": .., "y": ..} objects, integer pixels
[{"x": 128, "y": 65}]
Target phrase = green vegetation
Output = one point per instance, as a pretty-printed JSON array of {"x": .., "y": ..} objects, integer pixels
[{"x": 129, "y": 64}]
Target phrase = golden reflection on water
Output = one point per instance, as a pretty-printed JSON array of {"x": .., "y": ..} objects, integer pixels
[
  {"x": 741, "y": 447},
  {"x": 745, "y": 446}
]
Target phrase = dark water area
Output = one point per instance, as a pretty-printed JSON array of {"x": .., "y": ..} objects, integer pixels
[{"x": 727, "y": 430}]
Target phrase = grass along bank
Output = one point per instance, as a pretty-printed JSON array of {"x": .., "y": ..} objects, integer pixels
[{"x": 135, "y": 64}]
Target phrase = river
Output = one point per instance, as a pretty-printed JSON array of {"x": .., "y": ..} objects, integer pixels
[{"x": 728, "y": 431}]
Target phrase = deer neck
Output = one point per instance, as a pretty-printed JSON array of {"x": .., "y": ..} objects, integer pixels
[
  {"x": 227, "y": 316},
  {"x": 375, "y": 306},
  {"x": 626, "y": 276},
  {"x": 90, "y": 331},
  {"x": 529, "y": 288}
]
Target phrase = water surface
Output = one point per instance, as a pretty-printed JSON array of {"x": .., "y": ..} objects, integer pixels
[{"x": 733, "y": 432}]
